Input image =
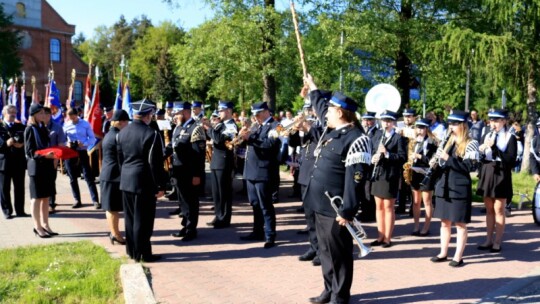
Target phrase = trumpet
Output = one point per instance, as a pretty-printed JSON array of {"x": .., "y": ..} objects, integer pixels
[
  {"x": 434, "y": 161},
  {"x": 358, "y": 233},
  {"x": 238, "y": 139},
  {"x": 291, "y": 128}
]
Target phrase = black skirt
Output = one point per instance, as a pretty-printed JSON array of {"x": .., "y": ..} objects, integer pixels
[
  {"x": 111, "y": 196},
  {"x": 494, "y": 181},
  {"x": 387, "y": 189},
  {"x": 454, "y": 210},
  {"x": 417, "y": 178},
  {"x": 42, "y": 185}
]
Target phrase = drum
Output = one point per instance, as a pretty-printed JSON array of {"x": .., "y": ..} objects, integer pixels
[{"x": 536, "y": 205}]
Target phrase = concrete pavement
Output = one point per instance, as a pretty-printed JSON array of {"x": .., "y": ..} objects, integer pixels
[{"x": 219, "y": 268}]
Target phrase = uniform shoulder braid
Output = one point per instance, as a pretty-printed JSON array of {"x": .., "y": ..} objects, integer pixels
[
  {"x": 359, "y": 151},
  {"x": 198, "y": 134},
  {"x": 471, "y": 151}
]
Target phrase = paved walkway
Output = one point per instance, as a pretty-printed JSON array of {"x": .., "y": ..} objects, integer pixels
[{"x": 218, "y": 268}]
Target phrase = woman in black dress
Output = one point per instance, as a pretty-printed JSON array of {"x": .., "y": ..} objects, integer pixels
[
  {"x": 499, "y": 152},
  {"x": 458, "y": 157},
  {"x": 421, "y": 151},
  {"x": 40, "y": 170},
  {"x": 111, "y": 196},
  {"x": 390, "y": 155}
]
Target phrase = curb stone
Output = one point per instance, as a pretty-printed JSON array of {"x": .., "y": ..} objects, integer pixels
[
  {"x": 511, "y": 291},
  {"x": 136, "y": 287}
]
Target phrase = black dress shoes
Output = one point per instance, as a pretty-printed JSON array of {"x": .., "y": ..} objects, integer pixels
[
  {"x": 175, "y": 211},
  {"x": 324, "y": 298},
  {"x": 97, "y": 205},
  {"x": 252, "y": 237},
  {"x": 190, "y": 236},
  {"x": 376, "y": 243},
  {"x": 181, "y": 233},
  {"x": 482, "y": 247},
  {"x": 8, "y": 216},
  {"x": 23, "y": 215},
  {"x": 76, "y": 205},
  {"x": 316, "y": 261},
  {"x": 456, "y": 263},
  {"x": 211, "y": 223},
  {"x": 219, "y": 225},
  {"x": 308, "y": 256},
  {"x": 437, "y": 259},
  {"x": 269, "y": 244}
]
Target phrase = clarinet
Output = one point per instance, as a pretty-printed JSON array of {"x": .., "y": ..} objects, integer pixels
[
  {"x": 377, "y": 168},
  {"x": 434, "y": 161}
]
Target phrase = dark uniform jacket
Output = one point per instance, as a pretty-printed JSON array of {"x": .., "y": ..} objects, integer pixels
[
  {"x": 188, "y": 148},
  {"x": 110, "y": 169},
  {"x": 222, "y": 158},
  {"x": 140, "y": 155},
  {"x": 455, "y": 178},
  {"x": 309, "y": 142},
  {"x": 390, "y": 166},
  {"x": 11, "y": 156},
  {"x": 427, "y": 149},
  {"x": 535, "y": 155},
  {"x": 263, "y": 144},
  {"x": 37, "y": 138},
  {"x": 332, "y": 171}
]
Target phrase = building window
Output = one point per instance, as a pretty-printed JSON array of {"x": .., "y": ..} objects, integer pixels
[
  {"x": 55, "y": 50},
  {"x": 77, "y": 91},
  {"x": 21, "y": 10}
]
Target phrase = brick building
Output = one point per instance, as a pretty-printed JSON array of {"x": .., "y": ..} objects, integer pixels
[{"x": 46, "y": 40}]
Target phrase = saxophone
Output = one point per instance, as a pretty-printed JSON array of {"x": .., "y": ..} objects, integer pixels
[{"x": 407, "y": 167}]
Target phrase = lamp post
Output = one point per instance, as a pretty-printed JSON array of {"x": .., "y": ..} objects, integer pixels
[{"x": 467, "y": 86}]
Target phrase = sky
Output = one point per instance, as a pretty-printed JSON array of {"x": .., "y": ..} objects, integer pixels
[{"x": 87, "y": 15}]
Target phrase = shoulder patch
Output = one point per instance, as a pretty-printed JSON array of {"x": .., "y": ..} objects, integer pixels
[
  {"x": 198, "y": 134},
  {"x": 359, "y": 152}
]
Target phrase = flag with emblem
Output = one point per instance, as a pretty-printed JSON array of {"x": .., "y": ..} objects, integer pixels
[
  {"x": 87, "y": 96},
  {"x": 126, "y": 101},
  {"x": 94, "y": 117},
  {"x": 118, "y": 101},
  {"x": 54, "y": 103}
]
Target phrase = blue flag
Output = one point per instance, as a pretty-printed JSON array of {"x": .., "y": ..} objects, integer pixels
[
  {"x": 54, "y": 100},
  {"x": 24, "y": 112},
  {"x": 126, "y": 105},
  {"x": 118, "y": 102}
]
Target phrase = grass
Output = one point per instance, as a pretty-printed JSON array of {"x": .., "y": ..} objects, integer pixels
[
  {"x": 78, "y": 272},
  {"x": 522, "y": 183}
]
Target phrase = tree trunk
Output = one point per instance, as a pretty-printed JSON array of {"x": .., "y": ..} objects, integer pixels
[
  {"x": 403, "y": 63},
  {"x": 531, "y": 115},
  {"x": 269, "y": 80}
]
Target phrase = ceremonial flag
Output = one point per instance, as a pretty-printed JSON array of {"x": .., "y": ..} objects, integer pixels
[
  {"x": 24, "y": 112},
  {"x": 126, "y": 104},
  {"x": 70, "y": 102},
  {"x": 54, "y": 102},
  {"x": 94, "y": 117},
  {"x": 118, "y": 102},
  {"x": 87, "y": 96},
  {"x": 35, "y": 99}
]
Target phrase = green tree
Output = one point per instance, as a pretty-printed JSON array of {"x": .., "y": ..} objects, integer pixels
[{"x": 10, "y": 63}]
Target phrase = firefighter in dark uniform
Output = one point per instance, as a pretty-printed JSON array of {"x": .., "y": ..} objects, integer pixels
[
  {"x": 342, "y": 156},
  {"x": 142, "y": 179},
  {"x": 262, "y": 167},
  {"x": 197, "y": 112},
  {"x": 222, "y": 164},
  {"x": 368, "y": 204},
  {"x": 12, "y": 163},
  {"x": 188, "y": 147}
]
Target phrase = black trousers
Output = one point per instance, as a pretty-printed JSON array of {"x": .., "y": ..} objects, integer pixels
[
  {"x": 264, "y": 214},
  {"x": 139, "y": 215},
  {"x": 336, "y": 254},
  {"x": 52, "y": 199},
  {"x": 188, "y": 198},
  {"x": 222, "y": 195},
  {"x": 73, "y": 168},
  {"x": 367, "y": 204},
  {"x": 15, "y": 175},
  {"x": 312, "y": 231}
]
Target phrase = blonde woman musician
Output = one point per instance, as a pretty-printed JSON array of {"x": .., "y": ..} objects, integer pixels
[
  {"x": 453, "y": 191},
  {"x": 499, "y": 153},
  {"x": 421, "y": 151}
]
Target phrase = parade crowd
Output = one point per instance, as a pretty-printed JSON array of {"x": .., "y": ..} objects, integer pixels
[{"x": 374, "y": 164}]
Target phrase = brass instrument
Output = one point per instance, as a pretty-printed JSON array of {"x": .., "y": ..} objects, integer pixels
[
  {"x": 238, "y": 139},
  {"x": 407, "y": 167},
  {"x": 291, "y": 128},
  {"x": 209, "y": 150},
  {"x": 357, "y": 232},
  {"x": 434, "y": 161}
]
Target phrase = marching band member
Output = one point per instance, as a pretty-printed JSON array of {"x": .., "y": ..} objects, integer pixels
[
  {"x": 188, "y": 148},
  {"x": 499, "y": 151},
  {"x": 142, "y": 179},
  {"x": 342, "y": 157},
  {"x": 422, "y": 150},
  {"x": 369, "y": 126},
  {"x": 222, "y": 164},
  {"x": 457, "y": 159},
  {"x": 111, "y": 196},
  {"x": 408, "y": 133},
  {"x": 262, "y": 167},
  {"x": 390, "y": 153}
]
